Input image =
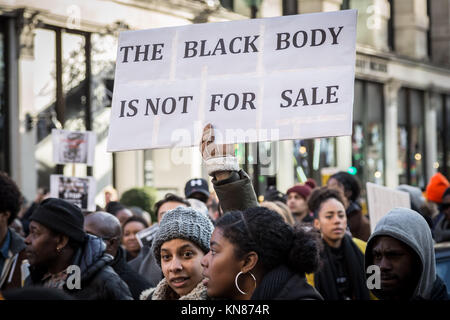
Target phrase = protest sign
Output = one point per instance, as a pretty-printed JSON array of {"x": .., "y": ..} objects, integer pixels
[
  {"x": 73, "y": 146},
  {"x": 270, "y": 79},
  {"x": 79, "y": 191},
  {"x": 145, "y": 237},
  {"x": 382, "y": 199}
]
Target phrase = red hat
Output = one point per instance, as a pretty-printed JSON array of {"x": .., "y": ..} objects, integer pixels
[
  {"x": 436, "y": 188},
  {"x": 302, "y": 190}
]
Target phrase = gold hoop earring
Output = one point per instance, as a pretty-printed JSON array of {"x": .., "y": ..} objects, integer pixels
[{"x": 236, "y": 281}]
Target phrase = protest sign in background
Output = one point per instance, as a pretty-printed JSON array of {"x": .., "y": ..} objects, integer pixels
[
  {"x": 145, "y": 237},
  {"x": 73, "y": 146},
  {"x": 268, "y": 79},
  {"x": 79, "y": 191},
  {"x": 382, "y": 199}
]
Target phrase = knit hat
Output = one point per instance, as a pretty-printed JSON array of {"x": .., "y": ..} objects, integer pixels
[
  {"x": 60, "y": 216},
  {"x": 436, "y": 188},
  {"x": 303, "y": 190},
  {"x": 183, "y": 223}
]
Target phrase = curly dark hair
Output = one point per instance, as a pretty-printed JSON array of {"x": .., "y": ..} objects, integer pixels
[
  {"x": 10, "y": 197},
  {"x": 170, "y": 197},
  {"x": 265, "y": 232},
  {"x": 350, "y": 183},
  {"x": 320, "y": 195}
]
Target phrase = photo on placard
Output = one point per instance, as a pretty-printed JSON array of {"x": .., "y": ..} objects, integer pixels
[
  {"x": 78, "y": 191},
  {"x": 73, "y": 146}
]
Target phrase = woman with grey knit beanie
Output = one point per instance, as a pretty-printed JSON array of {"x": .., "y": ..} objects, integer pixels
[{"x": 179, "y": 246}]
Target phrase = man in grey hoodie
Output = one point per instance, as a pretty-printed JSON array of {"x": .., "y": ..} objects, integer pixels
[{"x": 402, "y": 247}]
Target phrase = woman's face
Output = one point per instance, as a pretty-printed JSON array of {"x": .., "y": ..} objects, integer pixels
[
  {"x": 331, "y": 221},
  {"x": 129, "y": 236},
  {"x": 220, "y": 267},
  {"x": 180, "y": 263}
]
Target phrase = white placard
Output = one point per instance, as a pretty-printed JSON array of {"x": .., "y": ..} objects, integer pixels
[
  {"x": 79, "y": 191},
  {"x": 382, "y": 199},
  {"x": 270, "y": 79},
  {"x": 73, "y": 146}
]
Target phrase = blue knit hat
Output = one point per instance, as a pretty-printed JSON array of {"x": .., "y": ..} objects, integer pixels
[{"x": 183, "y": 223}]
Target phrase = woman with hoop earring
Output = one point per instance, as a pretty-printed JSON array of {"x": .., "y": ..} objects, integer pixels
[{"x": 255, "y": 255}]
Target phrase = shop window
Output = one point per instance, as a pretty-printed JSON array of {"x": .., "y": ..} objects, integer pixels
[
  {"x": 311, "y": 156},
  {"x": 411, "y": 138},
  {"x": 443, "y": 135},
  {"x": 367, "y": 138},
  {"x": 61, "y": 91}
]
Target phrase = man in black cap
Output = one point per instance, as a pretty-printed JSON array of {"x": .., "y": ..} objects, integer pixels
[
  {"x": 63, "y": 256},
  {"x": 197, "y": 189}
]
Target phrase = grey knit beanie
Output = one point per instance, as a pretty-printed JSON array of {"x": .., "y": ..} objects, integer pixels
[{"x": 183, "y": 223}]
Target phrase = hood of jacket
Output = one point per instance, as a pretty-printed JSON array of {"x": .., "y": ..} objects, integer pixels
[
  {"x": 91, "y": 257},
  {"x": 411, "y": 228},
  {"x": 415, "y": 194}
]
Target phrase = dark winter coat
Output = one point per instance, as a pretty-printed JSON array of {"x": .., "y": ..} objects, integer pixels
[
  {"x": 136, "y": 283},
  {"x": 11, "y": 275},
  {"x": 359, "y": 224},
  {"x": 145, "y": 264},
  {"x": 283, "y": 284},
  {"x": 98, "y": 279}
]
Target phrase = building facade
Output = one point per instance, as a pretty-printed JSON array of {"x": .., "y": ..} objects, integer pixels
[{"x": 57, "y": 62}]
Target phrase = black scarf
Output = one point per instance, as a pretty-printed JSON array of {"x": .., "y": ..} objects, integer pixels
[{"x": 325, "y": 278}]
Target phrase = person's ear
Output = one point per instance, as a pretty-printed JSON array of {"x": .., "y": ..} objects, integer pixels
[
  {"x": 316, "y": 223},
  {"x": 62, "y": 241},
  {"x": 249, "y": 262}
]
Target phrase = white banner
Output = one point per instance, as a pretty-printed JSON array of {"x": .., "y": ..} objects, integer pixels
[
  {"x": 79, "y": 191},
  {"x": 270, "y": 79},
  {"x": 382, "y": 199},
  {"x": 73, "y": 146}
]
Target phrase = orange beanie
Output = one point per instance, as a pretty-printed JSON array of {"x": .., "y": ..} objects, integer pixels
[{"x": 436, "y": 187}]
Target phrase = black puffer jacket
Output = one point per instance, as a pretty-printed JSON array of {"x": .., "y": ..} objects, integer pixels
[{"x": 98, "y": 279}]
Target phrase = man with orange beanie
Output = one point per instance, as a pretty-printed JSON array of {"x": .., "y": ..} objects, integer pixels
[{"x": 436, "y": 188}]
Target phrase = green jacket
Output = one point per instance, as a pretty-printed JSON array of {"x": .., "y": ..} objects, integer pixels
[{"x": 236, "y": 192}]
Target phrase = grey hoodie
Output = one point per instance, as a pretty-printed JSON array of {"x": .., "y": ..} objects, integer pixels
[{"x": 409, "y": 227}]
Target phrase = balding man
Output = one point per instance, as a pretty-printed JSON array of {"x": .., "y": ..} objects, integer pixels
[{"x": 104, "y": 225}]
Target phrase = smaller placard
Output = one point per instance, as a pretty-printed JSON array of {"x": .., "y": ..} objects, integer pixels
[{"x": 79, "y": 191}]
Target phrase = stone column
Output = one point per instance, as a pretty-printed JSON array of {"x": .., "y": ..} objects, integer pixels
[
  {"x": 285, "y": 170},
  {"x": 372, "y": 25},
  {"x": 432, "y": 102},
  {"x": 391, "y": 90},
  {"x": 129, "y": 170},
  {"x": 344, "y": 152},
  {"x": 309, "y": 6},
  {"x": 22, "y": 134},
  {"x": 440, "y": 31},
  {"x": 411, "y": 26}
]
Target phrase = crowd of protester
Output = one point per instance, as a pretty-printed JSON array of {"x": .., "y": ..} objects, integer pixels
[{"x": 309, "y": 243}]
